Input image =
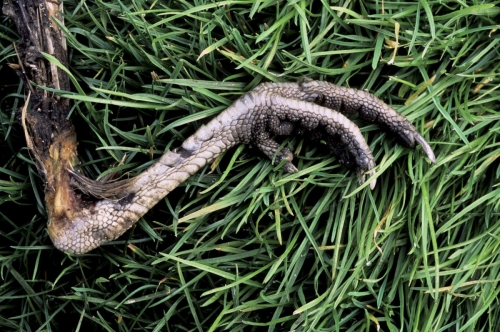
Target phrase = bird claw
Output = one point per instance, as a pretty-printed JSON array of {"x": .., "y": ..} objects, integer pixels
[{"x": 312, "y": 107}]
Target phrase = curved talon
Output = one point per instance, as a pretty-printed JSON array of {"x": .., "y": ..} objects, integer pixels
[
  {"x": 308, "y": 107},
  {"x": 367, "y": 170},
  {"x": 426, "y": 147},
  {"x": 287, "y": 155},
  {"x": 290, "y": 168},
  {"x": 370, "y": 173}
]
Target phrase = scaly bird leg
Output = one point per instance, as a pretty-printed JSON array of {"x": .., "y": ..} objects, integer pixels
[{"x": 270, "y": 109}]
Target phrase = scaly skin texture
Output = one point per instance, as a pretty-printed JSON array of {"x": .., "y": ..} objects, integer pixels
[{"x": 307, "y": 107}]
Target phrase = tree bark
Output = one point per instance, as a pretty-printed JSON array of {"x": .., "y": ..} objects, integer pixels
[{"x": 50, "y": 135}]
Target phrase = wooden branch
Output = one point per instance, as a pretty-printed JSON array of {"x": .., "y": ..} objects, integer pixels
[{"x": 50, "y": 134}]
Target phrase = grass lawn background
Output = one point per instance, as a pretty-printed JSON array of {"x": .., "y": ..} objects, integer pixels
[{"x": 242, "y": 246}]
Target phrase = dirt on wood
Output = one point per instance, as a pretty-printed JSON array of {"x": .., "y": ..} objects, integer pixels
[{"x": 50, "y": 135}]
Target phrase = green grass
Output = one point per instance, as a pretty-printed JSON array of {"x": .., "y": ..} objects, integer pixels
[{"x": 241, "y": 246}]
